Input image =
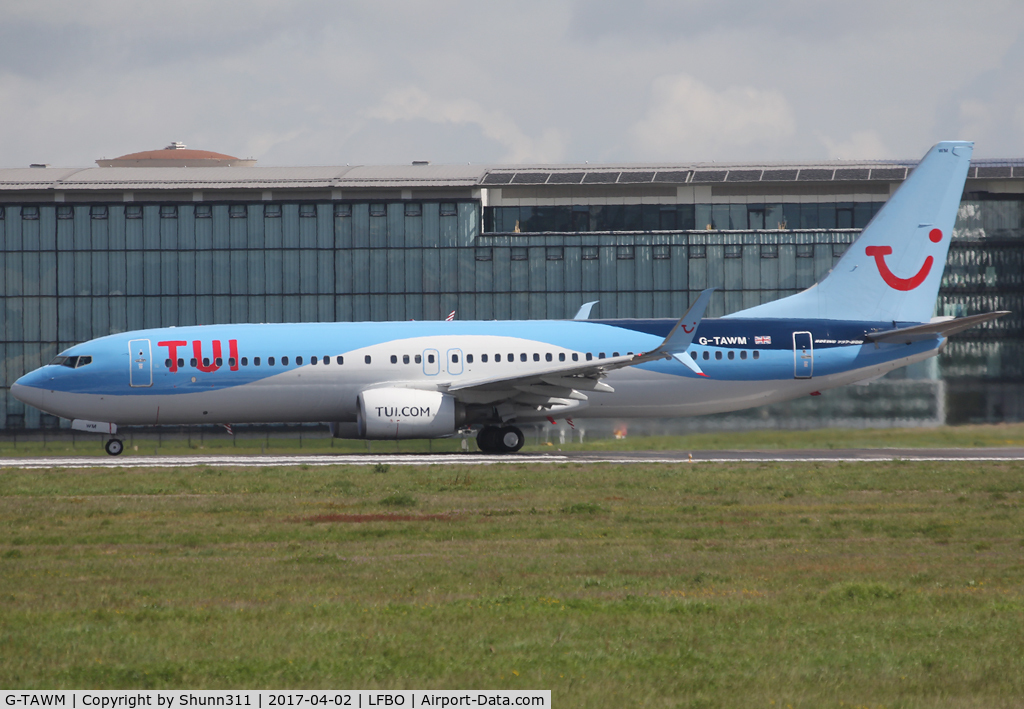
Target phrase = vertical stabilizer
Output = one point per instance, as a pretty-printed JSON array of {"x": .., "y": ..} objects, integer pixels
[{"x": 893, "y": 270}]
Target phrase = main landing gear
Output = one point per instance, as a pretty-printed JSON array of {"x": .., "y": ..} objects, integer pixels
[
  {"x": 114, "y": 446},
  {"x": 503, "y": 439}
]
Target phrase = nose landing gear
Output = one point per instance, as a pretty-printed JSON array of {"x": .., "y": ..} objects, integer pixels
[
  {"x": 114, "y": 446},
  {"x": 504, "y": 439}
]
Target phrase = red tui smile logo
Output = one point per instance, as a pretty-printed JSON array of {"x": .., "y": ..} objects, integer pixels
[{"x": 894, "y": 281}]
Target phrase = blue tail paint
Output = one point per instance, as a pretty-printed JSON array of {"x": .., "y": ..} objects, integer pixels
[{"x": 893, "y": 270}]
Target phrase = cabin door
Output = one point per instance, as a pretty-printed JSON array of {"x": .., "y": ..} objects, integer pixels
[
  {"x": 140, "y": 362},
  {"x": 803, "y": 355},
  {"x": 431, "y": 362}
]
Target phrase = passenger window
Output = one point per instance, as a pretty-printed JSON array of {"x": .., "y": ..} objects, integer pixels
[
  {"x": 469, "y": 359},
  {"x": 394, "y": 359},
  {"x": 483, "y": 358},
  {"x": 511, "y": 357},
  {"x": 536, "y": 357},
  {"x": 757, "y": 355},
  {"x": 693, "y": 355},
  {"x": 405, "y": 359},
  {"x": 589, "y": 356},
  {"x": 430, "y": 358},
  {"x": 575, "y": 357},
  {"x": 743, "y": 354},
  {"x": 732, "y": 355},
  {"x": 245, "y": 361},
  {"x": 167, "y": 363},
  {"x": 312, "y": 360},
  {"x": 255, "y": 361},
  {"x": 181, "y": 362},
  {"x": 327, "y": 359},
  {"x": 367, "y": 359},
  {"x": 615, "y": 354},
  {"x": 522, "y": 356},
  {"x": 270, "y": 361},
  {"x": 298, "y": 360},
  {"x": 718, "y": 354},
  {"x": 706, "y": 355},
  {"x": 455, "y": 359},
  {"x": 192, "y": 362},
  {"x": 547, "y": 357},
  {"x": 341, "y": 360},
  {"x": 284, "y": 361},
  {"x": 231, "y": 361},
  {"x": 206, "y": 361},
  {"x": 418, "y": 359},
  {"x": 561, "y": 356},
  {"x": 600, "y": 355}
]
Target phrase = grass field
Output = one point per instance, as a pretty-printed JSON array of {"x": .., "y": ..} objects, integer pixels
[
  {"x": 249, "y": 442},
  {"x": 893, "y": 584}
]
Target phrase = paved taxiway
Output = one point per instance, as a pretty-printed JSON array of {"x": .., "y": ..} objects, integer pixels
[{"x": 723, "y": 456}]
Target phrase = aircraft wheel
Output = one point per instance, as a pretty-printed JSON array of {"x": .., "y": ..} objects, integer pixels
[
  {"x": 511, "y": 439},
  {"x": 487, "y": 439},
  {"x": 114, "y": 446}
]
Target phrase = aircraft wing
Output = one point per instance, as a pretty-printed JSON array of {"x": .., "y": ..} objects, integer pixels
[
  {"x": 932, "y": 330},
  {"x": 567, "y": 386}
]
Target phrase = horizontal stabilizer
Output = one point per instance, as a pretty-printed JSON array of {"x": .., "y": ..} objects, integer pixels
[{"x": 933, "y": 330}]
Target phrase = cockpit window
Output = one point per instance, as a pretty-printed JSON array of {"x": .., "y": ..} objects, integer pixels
[{"x": 73, "y": 361}]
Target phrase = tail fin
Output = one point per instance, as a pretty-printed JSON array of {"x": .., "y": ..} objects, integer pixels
[{"x": 893, "y": 270}]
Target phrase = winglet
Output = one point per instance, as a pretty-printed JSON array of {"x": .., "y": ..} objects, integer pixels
[
  {"x": 682, "y": 332},
  {"x": 681, "y": 336},
  {"x": 584, "y": 312}
]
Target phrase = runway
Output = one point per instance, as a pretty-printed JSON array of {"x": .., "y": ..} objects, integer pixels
[{"x": 587, "y": 457}]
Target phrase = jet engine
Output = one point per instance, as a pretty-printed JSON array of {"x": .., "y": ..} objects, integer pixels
[{"x": 391, "y": 413}]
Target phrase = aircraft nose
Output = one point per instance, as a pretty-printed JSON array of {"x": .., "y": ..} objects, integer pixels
[{"x": 28, "y": 389}]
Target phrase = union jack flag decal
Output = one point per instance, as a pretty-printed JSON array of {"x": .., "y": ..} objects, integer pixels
[{"x": 762, "y": 339}]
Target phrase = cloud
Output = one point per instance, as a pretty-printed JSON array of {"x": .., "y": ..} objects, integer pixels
[
  {"x": 410, "y": 103},
  {"x": 860, "y": 145},
  {"x": 690, "y": 120},
  {"x": 331, "y": 82}
]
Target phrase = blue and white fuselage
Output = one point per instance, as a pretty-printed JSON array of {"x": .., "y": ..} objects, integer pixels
[
  {"x": 314, "y": 372},
  {"x": 870, "y": 315}
]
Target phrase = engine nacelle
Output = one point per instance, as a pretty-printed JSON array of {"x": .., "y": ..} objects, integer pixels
[{"x": 392, "y": 413}]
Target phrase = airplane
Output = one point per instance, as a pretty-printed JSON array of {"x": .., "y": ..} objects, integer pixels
[{"x": 870, "y": 315}]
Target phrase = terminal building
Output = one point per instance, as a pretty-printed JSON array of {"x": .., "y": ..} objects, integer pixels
[{"x": 164, "y": 238}]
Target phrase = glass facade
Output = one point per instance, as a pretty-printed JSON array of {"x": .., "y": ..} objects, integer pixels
[
  {"x": 669, "y": 217},
  {"x": 69, "y": 273}
]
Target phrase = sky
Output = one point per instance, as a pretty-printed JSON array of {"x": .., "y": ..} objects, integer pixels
[{"x": 327, "y": 82}]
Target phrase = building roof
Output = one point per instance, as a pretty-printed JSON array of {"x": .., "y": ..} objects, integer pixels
[
  {"x": 469, "y": 176},
  {"x": 176, "y": 154}
]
